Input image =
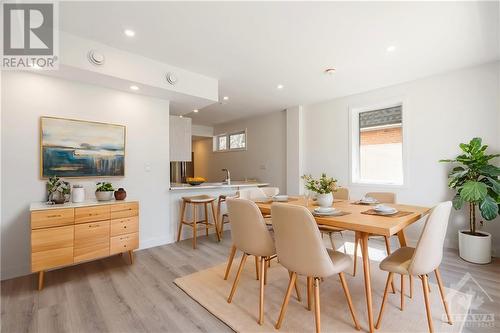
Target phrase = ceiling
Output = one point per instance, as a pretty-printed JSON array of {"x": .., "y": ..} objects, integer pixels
[{"x": 252, "y": 47}]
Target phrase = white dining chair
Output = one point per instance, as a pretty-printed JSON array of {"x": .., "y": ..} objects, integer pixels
[
  {"x": 300, "y": 249},
  {"x": 270, "y": 191},
  {"x": 422, "y": 260},
  {"x": 342, "y": 193},
  {"x": 251, "y": 236}
]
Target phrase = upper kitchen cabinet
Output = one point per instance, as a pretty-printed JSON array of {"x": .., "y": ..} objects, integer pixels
[{"x": 180, "y": 139}]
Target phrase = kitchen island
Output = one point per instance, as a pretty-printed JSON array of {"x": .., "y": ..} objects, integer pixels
[{"x": 178, "y": 190}]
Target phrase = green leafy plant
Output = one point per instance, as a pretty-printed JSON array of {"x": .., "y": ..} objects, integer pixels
[
  {"x": 56, "y": 184},
  {"x": 323, "y": 185},
  {"x": 476, "y": 182},
  {"x": 104, "y": 187}
]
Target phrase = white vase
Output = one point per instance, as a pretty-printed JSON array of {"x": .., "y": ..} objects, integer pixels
[
  {"x": 475, "y": 249},
  {"x": 325, "y": 200},
  {"x": 78, "y": 194}
]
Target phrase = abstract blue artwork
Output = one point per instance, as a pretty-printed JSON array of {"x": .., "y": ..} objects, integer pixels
[{"x": 75, "y": 148}]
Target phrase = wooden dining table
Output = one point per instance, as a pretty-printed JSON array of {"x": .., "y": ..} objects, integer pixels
[{"x": 355, "y": 218}]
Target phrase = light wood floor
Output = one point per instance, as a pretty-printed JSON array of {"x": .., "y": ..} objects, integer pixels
[{"x": 110, "y": 296}]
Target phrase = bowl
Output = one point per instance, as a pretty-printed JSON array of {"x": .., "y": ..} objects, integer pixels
[
  {"x": 195, "y": 182},
  {"x": 280, "y": 198}
]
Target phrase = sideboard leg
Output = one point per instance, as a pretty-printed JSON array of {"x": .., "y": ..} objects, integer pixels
[
  {"x": 131, "y": 255},
  {"x": 40, "y": 280}
]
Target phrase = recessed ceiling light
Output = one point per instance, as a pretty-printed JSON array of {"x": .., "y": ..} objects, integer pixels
[
  {"x": 134, "y": 88},
  {"x": 279, "y": 86},
  {"x": 225, "y": 98},
  {"x": 181, "y": 116},
  {"x": 129, "y": 33},
  {"x": 391, "y": 48},
  {"x": 195, "y": 110}
]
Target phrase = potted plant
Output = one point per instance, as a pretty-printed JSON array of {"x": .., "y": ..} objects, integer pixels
[
  {"x": 323, "y": 187},
  {"x": 477, "y": 184},
  {"x": 58, "y": 190},
  {"x": 104, "y": 191}
]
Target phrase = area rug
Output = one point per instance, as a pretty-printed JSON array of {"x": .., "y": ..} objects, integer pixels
[{"x": 208, "y": 288}]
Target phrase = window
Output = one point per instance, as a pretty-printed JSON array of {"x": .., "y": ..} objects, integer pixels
[
  {"x": 377, "y": 145},
  {"x": 231, "y": 141}
]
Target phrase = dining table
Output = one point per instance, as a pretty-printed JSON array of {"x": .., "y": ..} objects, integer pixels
[{"x": 361, "y": 219}]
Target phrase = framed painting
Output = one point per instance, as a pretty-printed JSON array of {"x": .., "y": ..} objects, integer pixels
[{"x": 77, "y": 148}]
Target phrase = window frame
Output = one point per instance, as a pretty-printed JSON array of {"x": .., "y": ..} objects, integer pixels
[
  {"x": 354, "y": 141},
  {"x": 228, "y": 141}
]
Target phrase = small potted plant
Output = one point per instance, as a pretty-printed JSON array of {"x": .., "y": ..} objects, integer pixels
[
  {"x": 476, "y": 183},
  {"x": 104, "y": 191},
  {"x": 58, "y": 190},
  {"x": 323, "y": 187}
]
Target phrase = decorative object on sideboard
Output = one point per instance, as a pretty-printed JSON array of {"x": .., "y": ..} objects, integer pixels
[
  {"x": 75, "y": 148},
  {"x": 58, "y": 190},
  {"x": 120, "y": 194},
  {"x": 104, "y": 191},
  {"x": 193, "y": 181},
  {"x": 322, "y": 187},
  {"x": 78, "y": 193},
  {"x": 477, "y": 183}
]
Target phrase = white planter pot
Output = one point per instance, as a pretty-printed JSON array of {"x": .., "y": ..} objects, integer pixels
[
  {"x": 78, "y": 194},
  {"x": 325, "y": 200},
  {"x": 104, "y": 195},
  {"x": 476, "y": 249}
]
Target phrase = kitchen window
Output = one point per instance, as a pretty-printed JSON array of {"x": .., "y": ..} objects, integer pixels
[
  {"x": 231, "y": 141},
  {"x": 377, "y": 150}
]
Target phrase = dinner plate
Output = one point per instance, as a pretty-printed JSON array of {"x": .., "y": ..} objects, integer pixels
[
  {"x": 332, "y": 212},
  {"x": 387, "y": 212}
]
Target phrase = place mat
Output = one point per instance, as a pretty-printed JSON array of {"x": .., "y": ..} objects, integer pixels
[
  {"x": 270, "y": 200},
  {"x": 341, "y": 213},
  {"x": 363, "y": 203},
  {"x": 398, "y": 214}
]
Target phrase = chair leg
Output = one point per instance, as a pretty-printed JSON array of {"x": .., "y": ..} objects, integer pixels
[
  {"x": 230, "y": 261},
  {"x": 443, "y": 298},
  {"x": 349, "y": 300},
  {"x": 220, "y": 219},
  {"x": 237, "y": 278},
  {"x": 309, "y": 293},
  {"x": 388, "y": 251},
  {"x": 384, "y": 299},
  {"x": 330, "y": 235},
  {"x": 284, "y": 306},
  {"x": 356, "y": 242},
  {"x": 257, "y": 267},
  {"x": 262, "y": 280},
  {"x": 411, "y": 286},
  {"x": 425, "y": 286},
  {"x": 206, "y": 219},
  {"x": 266, "y": 261},
  {"x": 217, "y": 232},
  {"x": 183, "y": 209},
  {"x": 194, "y": 226},
  {"x": 297, "y": 291},
  {"x": 343, "y": 241},
  {"x": 317, "y": 310},
  {"x": 402, "y": 291}
]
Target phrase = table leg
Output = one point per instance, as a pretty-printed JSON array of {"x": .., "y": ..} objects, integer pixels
[
  {"x": 402, "y": 238},
  {"x": 366, "y": 269}
]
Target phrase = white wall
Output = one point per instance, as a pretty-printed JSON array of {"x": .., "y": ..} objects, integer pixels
[
  {"x": 26, "y": 97},
  {"x": 294, "y": 150},
  {"x": 264, "y": 159},
  {"x": 440, "y": 112}
]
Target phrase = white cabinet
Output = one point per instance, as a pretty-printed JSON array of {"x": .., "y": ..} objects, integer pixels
[{"x": 180, "y": 139}]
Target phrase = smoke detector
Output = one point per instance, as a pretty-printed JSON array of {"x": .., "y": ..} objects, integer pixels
[
  {"x": 171, "y": 78},
  {"x": 329, "y": 71},
  {"x": 95, "y": 57}
]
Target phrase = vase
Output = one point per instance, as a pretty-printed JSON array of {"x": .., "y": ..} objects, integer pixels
[
  {"x": 475, "y": 248},
  {"x": 325, "y": 200},
  {"x": 57, "y": 197},
  {"x": 121, "y": 194},
  {"x": 104, "y": 195},
  {"x": 78, "y": 194}
]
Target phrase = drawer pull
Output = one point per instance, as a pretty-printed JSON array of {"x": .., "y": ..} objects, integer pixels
[
  {"x": 56, "y": 215},
  {"x": 93, "y": 225},
  {"x": 125, "y": 245},
  {"x": 93, "y": 214},
  {"x": 124, "y": 227}
]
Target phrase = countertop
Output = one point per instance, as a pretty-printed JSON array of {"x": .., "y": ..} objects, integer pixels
[
  {"x": 179, "y": 186},
  {"x": 45, "y": 206}
]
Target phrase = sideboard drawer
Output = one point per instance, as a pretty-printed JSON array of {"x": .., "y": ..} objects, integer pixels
[
  {"x": 51, "y": 218},
  {"x": 91, "y": 240},
  {"x": 51, "y": 259},
  {"x": 124, "y": 226},
  {"x": 92, "y": 214},
  {"x": 124, "y": 243},
  {"x": 122, "y": 210},
  {"x": 51, "y": 238}
]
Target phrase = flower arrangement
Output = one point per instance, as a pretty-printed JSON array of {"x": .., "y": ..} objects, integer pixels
[
  {"x": 323, "y": 185},
  {"x": 104, "y": 187}
]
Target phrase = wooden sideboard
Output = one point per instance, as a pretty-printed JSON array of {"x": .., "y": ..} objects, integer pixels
[{"x": 74, "y": 233}]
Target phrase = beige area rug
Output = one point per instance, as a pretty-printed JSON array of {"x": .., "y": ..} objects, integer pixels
[{"x": 209, "y": 289}]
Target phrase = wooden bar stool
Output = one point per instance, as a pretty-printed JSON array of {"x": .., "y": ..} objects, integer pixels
[
  {"x": 195, "y": 202},
  {"x": 222, "y": 218}
]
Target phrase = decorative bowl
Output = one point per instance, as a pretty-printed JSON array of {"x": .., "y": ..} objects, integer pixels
[
  {"x": 194, "y": 181},
  {"x": 104, "y": 195}
]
